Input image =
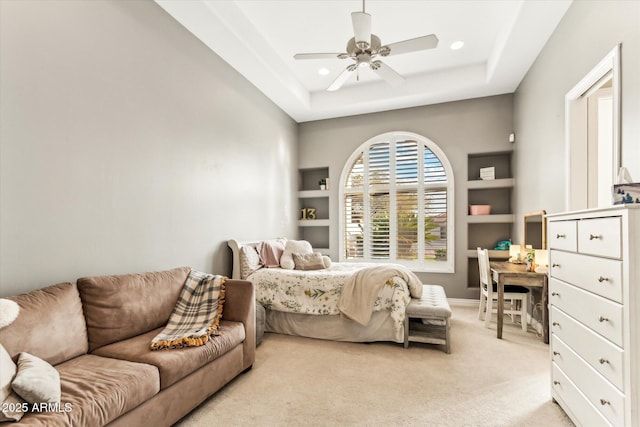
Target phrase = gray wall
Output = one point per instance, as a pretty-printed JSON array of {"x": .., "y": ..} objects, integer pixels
[
  {"x": 459, "y": 128},
  {"x": 128, "y": 146},
  {"x": 588, "y": 31}
]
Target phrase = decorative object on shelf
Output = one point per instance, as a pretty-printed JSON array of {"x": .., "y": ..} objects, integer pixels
[
  {"x": 624, "y": 190},
  {"x": 542, "y": 260},
  {"x": 514, "y": 254},
  {"x": 323, "y": 184},
  {"x": 308, "y": 213},
  {"x": 480, "y": 209},
  {"x": 530, "y": 260},
  {"x": 502, "y": 245},
  {"x": 488, "y": 173},
  {"x": 626, "y": 193}
]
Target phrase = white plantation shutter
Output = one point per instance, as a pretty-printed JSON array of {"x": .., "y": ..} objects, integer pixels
[
  {"x": 379, "y": 226},
  {"x": 397, "y": 203},
  {"x": 353, "y": 222}
]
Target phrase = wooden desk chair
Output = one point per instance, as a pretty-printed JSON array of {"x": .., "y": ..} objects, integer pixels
[{"x": 489, "y": 293}]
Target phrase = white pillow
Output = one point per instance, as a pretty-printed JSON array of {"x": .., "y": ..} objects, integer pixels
[
  {"x": 8, "y": 370},
  {"x": 297, "y": 246},
  {"x": 36, "y": 381},
  {"x": 12, "y": 405},
  {"x": 326, "y": 261}
]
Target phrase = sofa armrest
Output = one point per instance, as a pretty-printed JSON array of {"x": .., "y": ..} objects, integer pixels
[{"x": 240, "y": 306}]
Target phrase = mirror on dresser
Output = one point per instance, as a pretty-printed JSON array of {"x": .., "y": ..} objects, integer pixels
[{"x": 535, "y": 230}]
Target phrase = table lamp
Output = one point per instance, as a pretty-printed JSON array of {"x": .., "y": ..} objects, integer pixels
[
  {"x": 514, "y": 254},
  {"x": 542, "y": 260}
]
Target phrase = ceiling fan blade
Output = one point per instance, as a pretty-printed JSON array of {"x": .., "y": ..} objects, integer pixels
[
  {"x": 316, "y": 55},
  {"x": 361, "y": 29},
  {"x": 387, "y": 73},
  {"x": 411, "y": 45},
  {"x": 342, "y": 78}
]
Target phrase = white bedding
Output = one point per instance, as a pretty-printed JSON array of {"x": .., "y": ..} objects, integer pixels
[{"x": 317, "y": 292}]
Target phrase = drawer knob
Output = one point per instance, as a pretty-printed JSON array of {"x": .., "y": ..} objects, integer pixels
[
  {"x": 603, "y": 279},
  {"x": 556, "y": 382},
  {"x": 555, "y": 353},
  {"x": 602, "y": 319},
  {"x": 602, "y": 361},
  {"x": 560, "y": 236},
  {"x": 555, "y": 294},
  {"x": 604, "y": 402},
  {"x": 594, "y": 236},
  {"x": 555, "y": 265},
  {"x": 556, "y": 324}
]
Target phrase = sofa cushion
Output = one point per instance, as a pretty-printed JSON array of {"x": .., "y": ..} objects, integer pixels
[
  {"x": 175, "y": 364},
  {"x": 50, "y": 325},
  {"x": 97, "y": 390},
  {"x": 123, "y": 306}
]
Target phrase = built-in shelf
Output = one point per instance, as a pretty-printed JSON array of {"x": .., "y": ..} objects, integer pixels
[
  {"x": 490, "y": 219},
  {"x": 485, "y": 231},
  {"x": 313, "y": 223},
  {"x": 312, "y": 199},
  {"x": 310, "y": 194},
  {"x": 490, "y": 183}
]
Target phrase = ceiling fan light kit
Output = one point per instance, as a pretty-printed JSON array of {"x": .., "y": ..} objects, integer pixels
[{"x": 364, "y": 47}]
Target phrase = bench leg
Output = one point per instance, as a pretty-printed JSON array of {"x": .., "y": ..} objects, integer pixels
[
  {"x": 448, "y": 337},
  {"x": 406, "y": 331}
]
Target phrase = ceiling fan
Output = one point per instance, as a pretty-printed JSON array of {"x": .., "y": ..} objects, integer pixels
[{"x": 365, "y": 47}]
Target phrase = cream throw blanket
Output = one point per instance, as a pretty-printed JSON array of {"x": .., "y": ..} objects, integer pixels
[{"x": 361, "y": 289}]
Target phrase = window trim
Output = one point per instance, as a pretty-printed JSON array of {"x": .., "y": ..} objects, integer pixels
[{"x": 447, "y": 266}]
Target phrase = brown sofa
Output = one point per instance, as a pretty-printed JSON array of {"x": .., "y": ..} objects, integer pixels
[{"x": 97, "y": 335}]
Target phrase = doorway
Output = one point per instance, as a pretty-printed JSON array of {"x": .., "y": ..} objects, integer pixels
[{"x": 593, "y": 135}]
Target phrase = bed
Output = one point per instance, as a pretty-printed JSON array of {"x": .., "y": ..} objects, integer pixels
[{"x": 308, "y": 303}]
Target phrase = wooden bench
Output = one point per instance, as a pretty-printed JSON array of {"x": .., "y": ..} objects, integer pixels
[{"x": 427, "y": 318}]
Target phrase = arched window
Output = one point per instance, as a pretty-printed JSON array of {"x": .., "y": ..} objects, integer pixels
[{"x": 396, "y": 203}]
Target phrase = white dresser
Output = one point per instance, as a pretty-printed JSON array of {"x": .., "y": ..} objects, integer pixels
[{"x": 594, "y": 314}]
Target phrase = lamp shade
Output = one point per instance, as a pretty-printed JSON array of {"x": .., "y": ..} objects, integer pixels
[
  {"x": 514, "y": 252},
  {"x": 542, "y": 257}
]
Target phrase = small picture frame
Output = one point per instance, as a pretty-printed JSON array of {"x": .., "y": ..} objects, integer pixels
[
  {"x": 625, "y": 194},
  {"x": 488, "y": 173}
]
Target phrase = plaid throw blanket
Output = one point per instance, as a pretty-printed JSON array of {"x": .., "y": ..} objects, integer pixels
[{"x": 196, "y": 315}]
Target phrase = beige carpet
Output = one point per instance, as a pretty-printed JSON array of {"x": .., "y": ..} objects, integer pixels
[{"x": 304, "y": 382}]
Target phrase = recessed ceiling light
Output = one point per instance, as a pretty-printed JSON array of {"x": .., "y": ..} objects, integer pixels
[
  {"x": 323, "y": 71},
  {"x": 457, "y": 45}
]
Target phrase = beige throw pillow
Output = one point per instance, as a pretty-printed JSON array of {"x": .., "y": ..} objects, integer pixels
[
  {"x": 311, "y": 261},
  {"x": 294, "y": 246},
  {"x": 36, "y": 381},
  {"x": 249, "y": 261}
]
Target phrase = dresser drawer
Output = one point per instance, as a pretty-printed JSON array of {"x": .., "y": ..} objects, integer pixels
[
  {"x": 599, "y": 314},
  {"x": 601, "y": 393},
  {"x": 563, "y": 235},
  {"x": 576, "y": 403},
  {"x": 602, "y": 355},
  {"x": 600, "y": 236},
  {"x": 601, "y": 276}
]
